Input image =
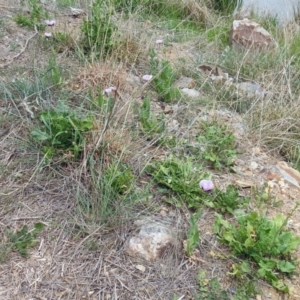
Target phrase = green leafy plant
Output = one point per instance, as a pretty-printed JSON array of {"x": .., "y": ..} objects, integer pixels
[
  {"x": 209, "y": 289},
  {"x": 35, "y": 18},
  {"x": 164, "y": 77},
  {"x": 21, "y": 240},
  {"x": 120, "y": 177},
  {"x": 218, "y": 143},
  {"x": 99, "y": 30},
  {"x": 149, "y": 124},
  {"x": 264, "y": 241},
  {"x": 227, "y": 201},
  {"x": 193, "y": 235},
  {"x": 179, "y": 177},
  {"x": 62, "y": 132}
]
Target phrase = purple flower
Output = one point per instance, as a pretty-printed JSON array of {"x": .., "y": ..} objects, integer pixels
[
  {"x": 206, "y": 185},
  {"x": 159, "y": 42},
  {"x": 50, "y": 22},
  {"x": 48, "y": 34},
  {"x": 147, "y": 78}
]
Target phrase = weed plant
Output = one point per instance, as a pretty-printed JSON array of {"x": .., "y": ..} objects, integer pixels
[
  {"x": 210, "y": 289},
  {"x": 180, "y": 177},
  {"x": 149, "y": 124},
  {"x": 61, "y": 133},
  {"x": 41, "y": 86},
  {"x": 110, "y": 194},
  {"x": 20, "y": 240},
  {"x": 264, "y": 241},
  {"x": 193, "y": 234},
  {"x": 99, "y": 30},
  {"x": 218, "y": 144},
  {"x": 36, "y": 17},
  {"x": 228, "y": 201},
  {"x": 164, "y": 77}
]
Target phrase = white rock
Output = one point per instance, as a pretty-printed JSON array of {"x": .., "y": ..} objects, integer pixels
[
  {"x": 249, "y": 34},
  {"x": 250, "y": 89},
  {"x": 192, "y": 93},
  {"x": 151, "y": 242}
]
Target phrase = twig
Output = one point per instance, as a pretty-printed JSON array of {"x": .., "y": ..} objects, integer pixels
[{"x": 22, "y": 51}]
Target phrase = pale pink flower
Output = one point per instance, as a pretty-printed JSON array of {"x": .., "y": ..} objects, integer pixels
[
  {"x": 50, "y": 22},
  {"x": 109, "y": 90},
  {"x": 206, "y": 185},
  {"x": 147, "y": 78},
  {"x": 48, "y": 34},
  {"x": 159, "y": 42}
]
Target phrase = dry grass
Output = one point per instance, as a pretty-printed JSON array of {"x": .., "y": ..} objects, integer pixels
[{"x": 79, "y": 256}]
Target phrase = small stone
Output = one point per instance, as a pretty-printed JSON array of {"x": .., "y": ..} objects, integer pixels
[
  {"x": 141, "y": 268},
  {"x": 256, "y": 150},
  {"x": 253, "y": 165},
  {"x": 168, "y": 109},
  {"x": 192, "y": 93}
]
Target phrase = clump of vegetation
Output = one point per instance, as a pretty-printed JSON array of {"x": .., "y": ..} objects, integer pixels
[
  {"x": 99, "y": 30},
  {"x": 181, "y": 178},
  {"x": 218, "y": 144},
  {"x": 62, "y": 132},
  {"x": 110, "y": 193},
  {"x": 265, "y": 242},
  {"x": 149, "y": 123},
  {"x": 227, "y": 6},
  {"x": 20, "y": 240},
  {"x": 193, "y": 234},
  {"x": 36, "y": 17},
  {"x": 227, "y": 201},
  {"x": 164, "y": 77}
]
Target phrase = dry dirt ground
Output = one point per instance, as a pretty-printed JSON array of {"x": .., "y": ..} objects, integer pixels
[{"x": 74, "y": 259}]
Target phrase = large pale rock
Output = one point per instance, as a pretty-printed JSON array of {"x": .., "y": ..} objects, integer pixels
[
  {"x": 249, "y": 34},
  {"x": 151, "y": 241}
]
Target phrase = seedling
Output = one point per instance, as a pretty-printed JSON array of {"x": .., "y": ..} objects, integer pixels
[
  {"x": 21, "y": 240},
  {"x": 210, "y": 289},
  {"x": 265, "y": 242}
]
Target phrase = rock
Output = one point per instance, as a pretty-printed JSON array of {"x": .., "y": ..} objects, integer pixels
[
  {"x": 185, "y": 82},
  {"x": 173, "y": 126},
  {"x": 250, "y": 89},
  {"x": 192, "y": 93},
  {"x": 151, "y": 242},
  {"x": 249, "y": 34}
]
